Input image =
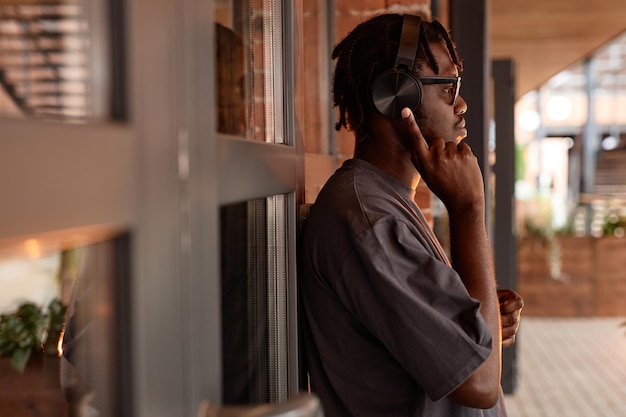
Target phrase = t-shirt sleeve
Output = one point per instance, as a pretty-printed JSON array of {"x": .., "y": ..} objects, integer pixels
[{"x": 416, "y": 305}]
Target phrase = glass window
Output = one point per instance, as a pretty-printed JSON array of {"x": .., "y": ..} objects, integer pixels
[
  {"x": 69, "y": 314},
  {"x": 95, "y": 363},
  {"x": 249, "y": 68},
  {"x": 254, "y": 301},
  {"x": 56, "y": 62}
]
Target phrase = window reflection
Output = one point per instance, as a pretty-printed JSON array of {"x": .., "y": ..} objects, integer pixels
[
  {"x": 95, "y": 362},
  {"x": 55, "y": 61},
  {"x": 249, "y": 68},
  {"x": 69, "y": 313},
  {"x": 231, "y": 82}
]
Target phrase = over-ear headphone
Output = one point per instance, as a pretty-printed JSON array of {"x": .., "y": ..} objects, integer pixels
[{"x": 397, "y": 87}]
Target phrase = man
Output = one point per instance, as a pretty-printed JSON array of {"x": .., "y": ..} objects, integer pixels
[{"x": 393, "y": 328}]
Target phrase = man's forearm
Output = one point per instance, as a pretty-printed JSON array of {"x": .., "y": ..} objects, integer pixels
[{"x": 471, "y": 258}]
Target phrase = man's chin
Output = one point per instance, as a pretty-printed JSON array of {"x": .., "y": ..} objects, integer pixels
[{"x": 461, "y": 134}]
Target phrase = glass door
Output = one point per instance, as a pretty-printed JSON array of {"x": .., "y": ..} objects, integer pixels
[
  {"x": 167, "y": 129},
  {"x": 258, "y": 165},
  {"x": 67, "y": 182},
  {"x": 219, "y": 174}
]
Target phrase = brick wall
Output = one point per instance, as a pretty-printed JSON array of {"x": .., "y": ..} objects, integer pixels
[
  {"x": 347, "y": 15},
  {"x": 312, "y": 99}
]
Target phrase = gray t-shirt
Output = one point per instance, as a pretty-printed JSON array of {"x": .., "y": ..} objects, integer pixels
[{"x": 389, "y": 328}]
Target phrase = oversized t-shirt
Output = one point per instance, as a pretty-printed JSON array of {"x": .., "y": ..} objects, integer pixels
[{"x": 389, "y": 327}]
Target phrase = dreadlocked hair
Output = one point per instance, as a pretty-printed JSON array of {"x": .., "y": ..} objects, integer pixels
[{"x": 365, "y": 53}]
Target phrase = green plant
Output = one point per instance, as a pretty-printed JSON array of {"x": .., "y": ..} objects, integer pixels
[
  {"x": 614, "y": 224},
  {"x": 55, "y": 325},
  {"x": 25, "y": 331}
]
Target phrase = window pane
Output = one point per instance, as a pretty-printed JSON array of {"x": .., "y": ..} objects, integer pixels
[
  {"x": 250, "y": 69},
  {"x": 254, "y": 301},
  {"x": 95, "y": 372},
  {"x": 79, "y": 361},
  {"x": 56, "y": 61}
]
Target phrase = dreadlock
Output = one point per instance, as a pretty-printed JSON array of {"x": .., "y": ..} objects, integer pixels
[{"x": 366, "y": 52}]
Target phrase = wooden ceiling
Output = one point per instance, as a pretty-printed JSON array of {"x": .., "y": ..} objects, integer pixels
[{"x": 544, "y": 37}]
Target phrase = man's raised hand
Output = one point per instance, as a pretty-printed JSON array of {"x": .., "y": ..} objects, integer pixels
[{"x": 450, "y": 170}]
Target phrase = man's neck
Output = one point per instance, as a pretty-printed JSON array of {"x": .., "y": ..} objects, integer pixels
[{"x": 388, "y": 155}]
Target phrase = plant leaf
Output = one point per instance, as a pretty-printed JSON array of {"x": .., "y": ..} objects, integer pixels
[{"x": 20, "y": 358}]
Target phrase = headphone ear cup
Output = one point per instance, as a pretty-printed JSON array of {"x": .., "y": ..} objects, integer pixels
[{"x": 395, "y": 89}]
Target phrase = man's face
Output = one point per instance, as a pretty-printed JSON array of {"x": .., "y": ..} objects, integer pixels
[{"x": 436, "y": 116}]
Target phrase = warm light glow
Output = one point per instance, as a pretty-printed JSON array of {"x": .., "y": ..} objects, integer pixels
[
  {"x": 33, "y": 248},
  {"x": 60, "y": 344},
  {"x": 559, "y": 108},
  {"x": 529, "y": 121}
]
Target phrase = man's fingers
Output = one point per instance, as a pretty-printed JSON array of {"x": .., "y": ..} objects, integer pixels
[
  {"x": 511, "y": 306},
  {"x": 508, "y": 342},
  {"x": 421, "y": 147},
  {"x": 508, "y": 335},
  {"x": 510, "y": 301},
  {"x": 511, "y": 319}
]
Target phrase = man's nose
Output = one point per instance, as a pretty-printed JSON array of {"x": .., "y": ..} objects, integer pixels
[{"x": 460, "y": 107}]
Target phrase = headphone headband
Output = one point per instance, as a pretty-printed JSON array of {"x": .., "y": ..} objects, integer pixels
[{"x": 409, "y": 41}]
